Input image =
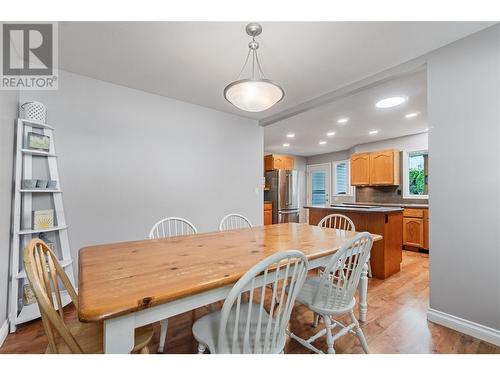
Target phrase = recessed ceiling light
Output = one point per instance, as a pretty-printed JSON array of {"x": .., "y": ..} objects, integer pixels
[
  {"x": 290, "y": 135},
  {"x": 411, "y": 115},
  {"x": 286, "y": 144},
  {"x": 390, "y": 102},
  {"x": 322, "y": 142},
  {"x": 373, "y": 132},
  {"x": 343, "y": 120},
  {"x": 330, "y": 134}
]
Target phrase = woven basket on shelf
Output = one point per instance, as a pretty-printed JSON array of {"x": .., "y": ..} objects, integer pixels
[{"x": 34, "y": 111}]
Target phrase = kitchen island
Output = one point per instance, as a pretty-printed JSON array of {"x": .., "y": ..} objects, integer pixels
[{"x": 386, "y": 255}]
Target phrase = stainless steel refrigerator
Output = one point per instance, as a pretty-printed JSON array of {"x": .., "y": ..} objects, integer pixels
[{"x": 284, "y": 195}]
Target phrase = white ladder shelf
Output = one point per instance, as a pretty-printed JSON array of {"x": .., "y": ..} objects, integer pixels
[{"x": 22, "y": 220}]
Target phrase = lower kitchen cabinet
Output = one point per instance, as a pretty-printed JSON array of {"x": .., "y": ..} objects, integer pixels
[
  {"x": 416, "y": 228},
  {"x": 413, "y": 232},
  {"x": 268, "y": 213}
]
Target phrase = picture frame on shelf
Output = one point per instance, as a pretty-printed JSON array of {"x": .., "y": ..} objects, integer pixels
[
  {"x": 43, "y": 219},
  {"x": 38, "y": 142}
]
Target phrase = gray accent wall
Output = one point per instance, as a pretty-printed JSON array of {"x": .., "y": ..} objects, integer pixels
[
  {"x": 464, "y": 111},
  {"x": 128, "y": 158},
  {"x": 8, "y": 113}
]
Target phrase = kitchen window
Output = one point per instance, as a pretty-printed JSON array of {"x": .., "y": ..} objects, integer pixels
[
  {"x": 318, "y": 184},
  {"x": 415, "y": 172},
  {"x": 342, "y": 178}
]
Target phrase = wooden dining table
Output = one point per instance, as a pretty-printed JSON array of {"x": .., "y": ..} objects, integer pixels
[{"x": 131, "y": 284}]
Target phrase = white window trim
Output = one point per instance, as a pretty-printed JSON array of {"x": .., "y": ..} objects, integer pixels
[
  {"x": 406, "y": 185},
  {"x": 350, "y": 190},
  {"x": 311, "y": 167}
]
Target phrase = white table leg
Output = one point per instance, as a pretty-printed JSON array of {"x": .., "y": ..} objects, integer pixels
[
  {"x": 119, "y": 334},
  {"x": 363, "y": 290},
  {"x": 163, "y": 334}
]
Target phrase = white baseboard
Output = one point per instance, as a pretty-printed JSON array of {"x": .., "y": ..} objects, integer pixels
[
  {"x": 4, "y": 331},
  {"x": 468, "y": 327}
]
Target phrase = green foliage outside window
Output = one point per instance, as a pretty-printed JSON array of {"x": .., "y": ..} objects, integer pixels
[{"x": 417, "y": 181}]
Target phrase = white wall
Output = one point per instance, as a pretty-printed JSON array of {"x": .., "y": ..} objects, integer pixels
[
  {"x": 8, "y": 112},
  {"x": 464, "y": 113},
  {"x": 128, "y": 158}
]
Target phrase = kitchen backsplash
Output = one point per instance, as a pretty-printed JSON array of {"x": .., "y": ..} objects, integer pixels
[{"x": 384, "y": 194}]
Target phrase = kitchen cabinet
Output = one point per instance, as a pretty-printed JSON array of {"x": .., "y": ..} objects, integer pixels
[
  {"x": 360, "y": 169},
  {"x": 416, "y": 228},
  {"x": 268, "y": 213},
  {"x": 384, "y": 168},
  {"x": 272, "y": 162},
  {"x": 413, "y": 232},
  {"x": 380, "y": 168}
]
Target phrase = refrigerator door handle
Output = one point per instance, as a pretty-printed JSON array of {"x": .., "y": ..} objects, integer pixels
[{"x": 288, "y": 201}]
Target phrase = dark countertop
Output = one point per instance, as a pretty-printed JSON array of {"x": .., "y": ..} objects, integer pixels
[
  {"x": 376, "y": 209},
  {"x": 404, "y": 205}
]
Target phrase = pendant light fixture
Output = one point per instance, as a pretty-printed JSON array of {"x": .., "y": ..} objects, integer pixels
[{"x": 254, "y": 94}]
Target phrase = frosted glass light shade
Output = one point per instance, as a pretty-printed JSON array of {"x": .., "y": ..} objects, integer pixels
[{"x": 253, "y": 95}]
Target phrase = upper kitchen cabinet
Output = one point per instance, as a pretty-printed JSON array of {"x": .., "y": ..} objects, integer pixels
[
  {"x": 360, "y": 169},
  {"x": 380, "y": 168},
  {"x": 272, "y": 162},
  {"x": 384, "y": 167}
]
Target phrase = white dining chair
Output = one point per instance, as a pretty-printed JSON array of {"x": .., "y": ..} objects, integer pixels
[
  {"x": 337, "y": 221},
  {"x": 170, "y": 227},
  {"x": 333, "y": 296},
  {"x": 247, "y": 327},
  {"x": 342, "y": 222},
  {"x": 234, "y": 221}
]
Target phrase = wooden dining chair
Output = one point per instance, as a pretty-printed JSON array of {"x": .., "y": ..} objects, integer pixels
[
  {"x": 334, "y": 296},
  {"x": 46, "y": 276},
  {"x": 234, "y": 221},
  {"x": 170, "y": 227},
  {"x": 247, "y": 327}
]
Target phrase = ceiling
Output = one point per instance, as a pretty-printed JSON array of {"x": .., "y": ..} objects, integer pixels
[
  {"x": 194, "y": 61},
  {"x": 312, "y": 126}
]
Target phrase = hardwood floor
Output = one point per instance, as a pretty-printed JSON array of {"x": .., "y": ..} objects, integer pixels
[{"x": 396, "y": 322}]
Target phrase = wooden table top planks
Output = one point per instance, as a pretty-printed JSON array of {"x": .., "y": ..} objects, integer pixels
[{"x": 119, "y": 278}]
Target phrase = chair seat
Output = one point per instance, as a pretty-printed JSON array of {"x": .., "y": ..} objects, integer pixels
[
  {"x": 335, "y": 304},
  {"x": 90, "y": 338},
  {"x": 206, "y": 330}
]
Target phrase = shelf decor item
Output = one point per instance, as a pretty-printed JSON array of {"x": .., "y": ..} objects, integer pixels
[
  {"x": 38, "y": 142},
  {"x": 29, "y": 184},
  {"x": 41, "y": 184},
  {"x": 43, "y": 219},
  {"x": 52, "y": 184},
  {"x": 28, "y": 295},
  {"x": 34, "y": 111}
]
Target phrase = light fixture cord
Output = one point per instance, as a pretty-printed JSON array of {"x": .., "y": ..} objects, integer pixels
[
  {"x": 255, "y": 59},
  {"x": 244, "y": 65},
  {"x": 258, "y": 65}
]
